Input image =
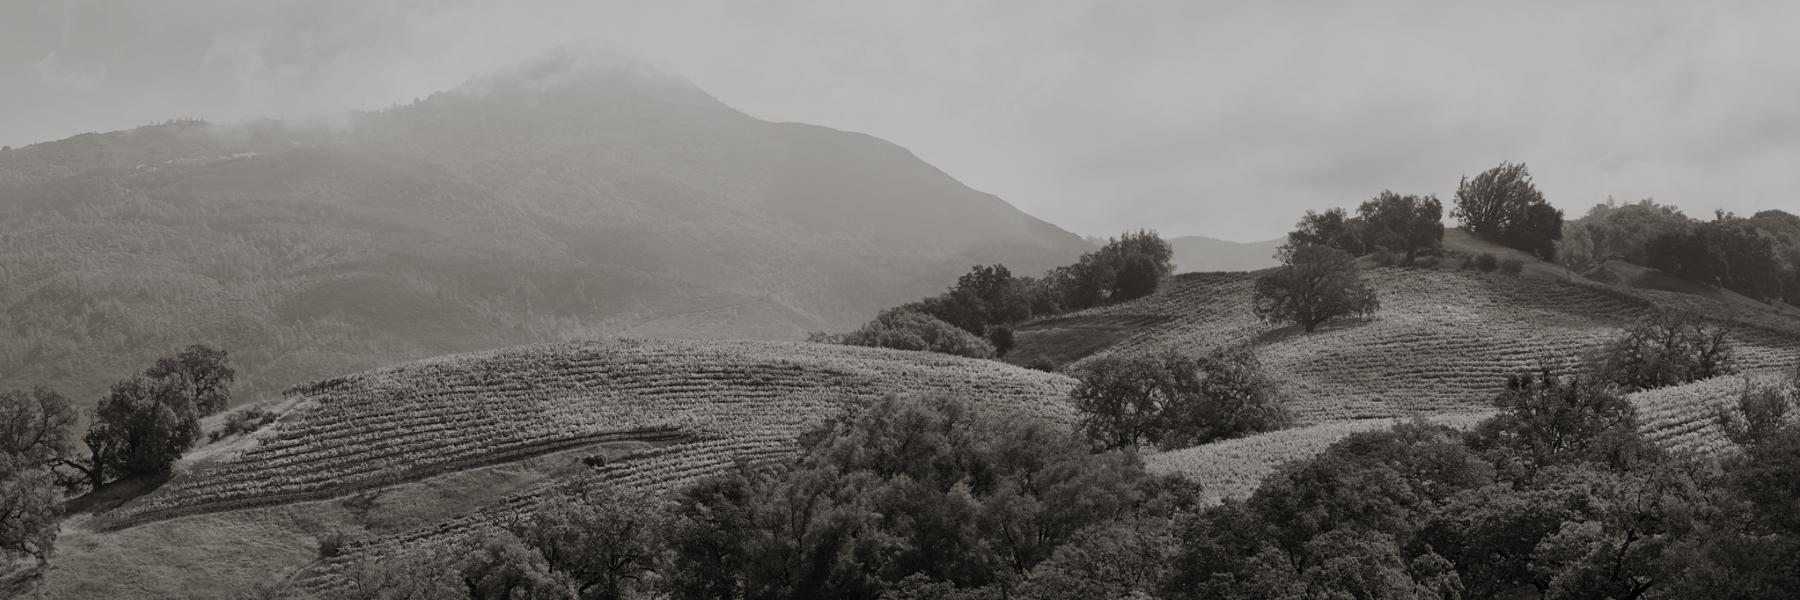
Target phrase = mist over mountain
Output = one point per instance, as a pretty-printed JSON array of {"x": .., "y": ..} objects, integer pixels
[
  {"x": 1198, "y": 254},
  {"x": 564, "y": 199}
]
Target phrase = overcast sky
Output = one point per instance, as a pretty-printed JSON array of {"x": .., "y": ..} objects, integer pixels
[{"x": 1220, "y": 119}]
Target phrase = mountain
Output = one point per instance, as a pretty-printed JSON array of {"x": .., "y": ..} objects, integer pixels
[
  {"x": 1200, "y": 254},
  {"x": 559, "y": 200}
]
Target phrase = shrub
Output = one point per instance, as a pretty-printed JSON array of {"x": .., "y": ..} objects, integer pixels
[
  {"x": 243, "y": 421},
  {"x": 332, "y": 543},
  {"x": 1427, "y": 262},
  {"x": 1002, "y": 338},
  {"x": 1512, "y": 266},
  {"x": 1487, "y": 262}
]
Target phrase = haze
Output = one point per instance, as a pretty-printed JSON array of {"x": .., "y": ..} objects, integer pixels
[{"x": 1219, "y": 119}]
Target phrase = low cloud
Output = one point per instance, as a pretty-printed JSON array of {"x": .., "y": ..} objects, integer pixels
[{"x": 1224, "y": 119}]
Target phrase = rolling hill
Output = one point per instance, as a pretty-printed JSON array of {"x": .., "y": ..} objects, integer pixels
[
  {"x": 434, "y": 447},
  {"x": 1444, "y": 340},
  {"x": 556, "y": 201}
]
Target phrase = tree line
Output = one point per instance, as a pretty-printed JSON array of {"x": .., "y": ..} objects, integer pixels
[
  {"x": 975, "y": 317},
  {"x": 1758, "y": 256},
  {"x": 137, "y": 430}
]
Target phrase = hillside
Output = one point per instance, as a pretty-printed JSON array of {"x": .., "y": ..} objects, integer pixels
[
  {"x": 433, "y": 447},
  {"x": 556, "y": 201},
  {"x": 1444, "y": 340},
  {"x": 1196, "y": 253}
]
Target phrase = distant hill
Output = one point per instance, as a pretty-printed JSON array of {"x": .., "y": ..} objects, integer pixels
[
  {"x": 551, "y": 202},
  {"x": 436, "y": 447},
  {"x": 1197, "y": 254},
  {"x": 1444, "y": 340}
]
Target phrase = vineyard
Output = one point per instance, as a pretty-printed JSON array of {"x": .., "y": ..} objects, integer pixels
[
  {"x": 707, "y": 399},
  {"x": 1685, "y": 418},
  {"x": 1444, "y": 340},
  {"x": 654, "y": 415}
]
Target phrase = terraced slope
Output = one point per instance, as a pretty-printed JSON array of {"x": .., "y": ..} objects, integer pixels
[
  {"x": 1444, "y": 340},
  {"x": 708, "y": 402}
]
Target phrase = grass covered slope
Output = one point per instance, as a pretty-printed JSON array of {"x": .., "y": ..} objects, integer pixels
[
  {"x": 1444, "y": 340},
  {"x": 450, "y": 413}
]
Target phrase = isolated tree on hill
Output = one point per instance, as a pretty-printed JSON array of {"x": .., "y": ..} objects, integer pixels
[
  {"x": 1333, "y": 228},
  {"x": 1410, "y": 225},
  {"x": 1667, "y": 348},
  {"x": 1503, "y": 205},
  {"x": 1315, "y": 284}
]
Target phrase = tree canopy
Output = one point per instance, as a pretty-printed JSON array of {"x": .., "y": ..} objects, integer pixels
[
  {"x": 1667, "y": 347},
  {"x": 1410, "y": 225},
  {"x": 1502, "y": 204},
  {"x": 1171, "y": 400},
  {"x": 1314, "y": 284}
]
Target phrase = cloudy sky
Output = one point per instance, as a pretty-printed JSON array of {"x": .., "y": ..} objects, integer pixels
[{"x": 1224, "y": 119}]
